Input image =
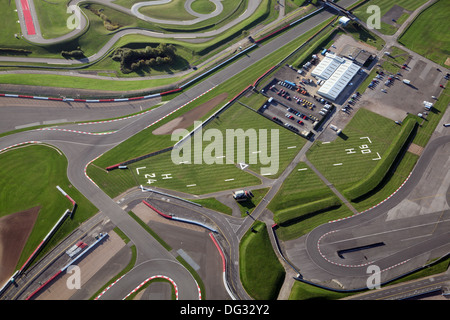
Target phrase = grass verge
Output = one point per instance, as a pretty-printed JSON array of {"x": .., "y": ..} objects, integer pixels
[
  {"x": 28, "y": 178},
  {"x": 261, "y": 273}
]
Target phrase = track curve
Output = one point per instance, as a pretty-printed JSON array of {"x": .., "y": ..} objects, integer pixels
[{"x": 323, "y": 242}]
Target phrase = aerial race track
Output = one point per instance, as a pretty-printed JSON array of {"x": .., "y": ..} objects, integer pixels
[{"x": 31, "y": 29}]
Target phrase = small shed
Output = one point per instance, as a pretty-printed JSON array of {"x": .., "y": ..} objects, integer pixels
[{"x": 344, "y": 21}]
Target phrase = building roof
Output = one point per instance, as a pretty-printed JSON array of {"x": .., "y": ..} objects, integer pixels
[
  {"x": 356, "y": 54},
  {"x": 327, "y": 66},
  {"x": 344, "y": 20},
  {"x": 339, "y": 78}
]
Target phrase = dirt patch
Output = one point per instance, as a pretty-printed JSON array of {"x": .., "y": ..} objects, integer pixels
[
  {"x": 415, "y": 149},
  {"x": 14, "y": 232},
  {"x": 148, "y": 215},
  {"x": 447, "y": 61},
  {"x": 189, "y": 117}
]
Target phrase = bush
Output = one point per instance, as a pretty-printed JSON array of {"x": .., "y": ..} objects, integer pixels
[
  {"x": 77, "y": 54},
  {"x": 135, "y": 59},
  {"x": 14, "y": 51}
]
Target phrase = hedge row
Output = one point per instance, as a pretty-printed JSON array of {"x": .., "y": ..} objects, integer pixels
[
  {"x": 292, "y": 213},
  {"x": 373, "y": 179}
]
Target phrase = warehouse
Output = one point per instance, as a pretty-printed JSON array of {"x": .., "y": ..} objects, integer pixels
[{"x": 334, "y": 74}]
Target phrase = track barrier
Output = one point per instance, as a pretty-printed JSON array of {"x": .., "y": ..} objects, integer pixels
[
  {"x": 172, "y": 217},
  {"x": 41, "y": 245},
  {"x": 64, "y": 269},
  {"x": 181, "y": 87}
]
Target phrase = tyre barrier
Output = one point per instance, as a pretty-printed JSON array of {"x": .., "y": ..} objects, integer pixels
[
  {"x": 171, "y": 217},
  {"x": 169, "y": 195},
  {"x": 156, "y": 210},
  {"x": 224, "y": 275}
]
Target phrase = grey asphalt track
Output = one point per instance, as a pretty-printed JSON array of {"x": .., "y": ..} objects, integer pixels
[{"x": 408, "y": 235}]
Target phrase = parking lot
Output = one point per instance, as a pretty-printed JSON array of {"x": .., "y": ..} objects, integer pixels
[
  {"x": 394, "y": 99},
  {"x": 293, "y": 103}
]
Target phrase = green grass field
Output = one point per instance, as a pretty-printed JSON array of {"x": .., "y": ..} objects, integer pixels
[
  {"x": 166, "y": 171},
  {"x": 385, "y": 6},
  {"x": 261, "y": 273},
  {"x": 196, "y": 178},
  {"x": 374, "y": 177},
  {"x": 366, "y": 137},
  {"x": 173, "y": 10},
  {"x": 304, "y": 202},
  {"x": 53, "y": 17},
  {"x": 28, "y": 178},
  {"x": 203, "y": 6},
  {"x": 301, "y": 186},
  {"x": 429, "y": 33},
  {"x": 117, "y": 181}
]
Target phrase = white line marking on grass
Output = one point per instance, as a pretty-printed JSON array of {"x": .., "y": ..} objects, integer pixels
[
  {"x": 137, "y": 169},
  {"x": 366, "y": 138},
  {"x": 379, "y": 157},
  {"x": 228, "y": 179},
  {"x": 302, "y": 169},
  {"x": 191, "y": 185},
  {"x": 325, "y": 142},
  {"x": 291, "y": 147},
  {"x": 337, "y": 164},
  {"x": 243, "y": 165}
]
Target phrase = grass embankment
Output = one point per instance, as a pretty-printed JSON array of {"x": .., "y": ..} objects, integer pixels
[
  {"x": 302, "y": 192},
  {"x": 304, "y": 201},
  {"x": 429, "y": 34},
  {"x": 261, "y": 273},
  {"x": 347, "y": 160},
  {"x": 28, "y": 178},
  {"x": 374, "y": 177}
]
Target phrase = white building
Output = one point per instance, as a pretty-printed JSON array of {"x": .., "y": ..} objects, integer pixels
[
  {"x": 336, "y": 73},
  {"x": 344, "y": 21}
]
